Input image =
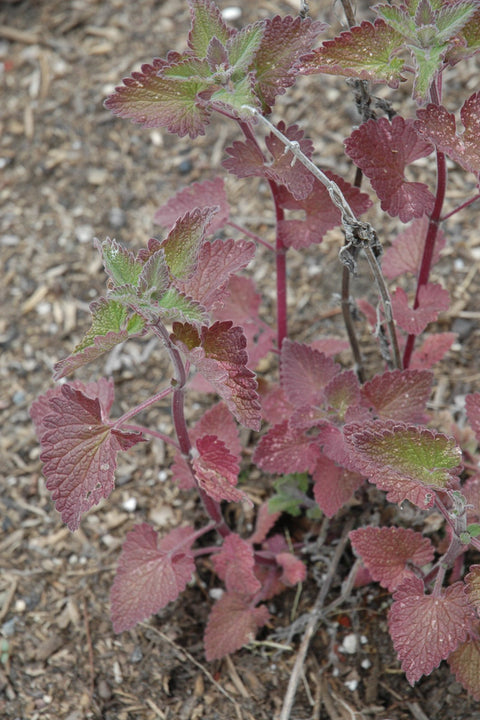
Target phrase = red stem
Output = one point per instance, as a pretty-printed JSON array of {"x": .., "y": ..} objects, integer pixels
[{"x": 432, "y": 232}]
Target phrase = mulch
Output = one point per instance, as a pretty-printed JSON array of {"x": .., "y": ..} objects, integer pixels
[{"x": 70, "y": 171}]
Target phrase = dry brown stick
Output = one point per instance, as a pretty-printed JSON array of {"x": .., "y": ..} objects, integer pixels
[
  {"x": 312, "y": 623},
  {"x": 197, "y": 664}
]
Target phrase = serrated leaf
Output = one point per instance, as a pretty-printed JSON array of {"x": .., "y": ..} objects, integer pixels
[
  {"x": 465, "y": 665},
  {"x": 219, "y": 354},
  {"x": 467, "y": 42},
  {"x": 432, "y": 299},
  {"x": 246, "y": 160},
  {"x": 321, "y": 214},
  {"x": 286, "y": 450},
  {"x": 472, "y": 583},
  {"x": 432, "y": 350},
  {"x": 217, "y": 262},
  {"x": 425, "y": 629},
  {"x": 382, "y": 149},
  {"x": 366, "y": 51},
  {"x": 216, "y": 470},
  {"x": 429, "y": 62},
  {"x": 207, "y": 22},
  {"x": 437, "y": 125},
  {"x": 112, "y": 324},
  {"x": 284, "y": 42},
  {"x": 182, "y": 245},
  {"x": 398, "y": 394},
  {"x": 233, "y": 623},
  {"x": 175, "y": 306},
  {"x": 405, "y": 460},
  {"x": 151, "y": 573},
  {"x": 406, "y": 251},
  {"x": 234, "y": 564},
  {"x": 153, "y": 101},
  {"x": 154, "y": 278},
  {"x": 79, "y": 449},
  {"x": 235, "y": 96},
  {"x": 243, "y": 46},
  {"x": 388, "y": 552},
  {"x": 304, "y": 373},
  {"x": 472, "y": 404},
  {"x": 119, "y": 263},
  {"x": 209, "y": 193},
  {"x": 342, "y": 393},
  {"x": 333, "y": 485}
]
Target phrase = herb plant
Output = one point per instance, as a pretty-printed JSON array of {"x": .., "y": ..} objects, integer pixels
[{"x": 326, "y": 430}]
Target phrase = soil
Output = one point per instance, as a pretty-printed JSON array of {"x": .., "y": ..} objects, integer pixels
[{"x": 71, "y": 171}]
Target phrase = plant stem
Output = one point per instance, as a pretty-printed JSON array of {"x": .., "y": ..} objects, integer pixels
[
  {"x": 212, "y": 507},
  {"x": 460, "y": 207},
  {"x": 432, "y": 231},
  {"x": 358, "y": 234},
  {"x": 251, "y": 235},
  {"x": 280, "y": 248},
  {"x": 138, "y": 408}
]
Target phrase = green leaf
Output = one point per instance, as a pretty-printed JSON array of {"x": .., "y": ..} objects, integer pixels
[
  {"x": 236, "y": 96},
  {"x": 398, "y": 19},
  {"x": 367, "y": 52},
  {"x": 242, "y": 47},
  {"x": 452, "y": 18},
  {"x": 428, "y": 61},
  {"x": 473, "y": 530},
  {"x": 119, "y": 263},
  {"x": 290, "y": 494},
  {"x": 112, "y": 324},
  {"x": 207, "y": 22},
  {"x": 175, "y": 306},
  {"x": 154, "y": 100},
  {"x": 187, "y": 69},
  {"x": 184, "y": 240}
]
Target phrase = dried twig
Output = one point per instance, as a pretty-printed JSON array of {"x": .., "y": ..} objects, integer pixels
[{"x": 311, "y": 626}]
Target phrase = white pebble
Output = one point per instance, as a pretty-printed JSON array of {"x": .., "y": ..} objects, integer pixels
[
  {"x": 231, "y": 13},
  {"x": 130, "y": 504}
]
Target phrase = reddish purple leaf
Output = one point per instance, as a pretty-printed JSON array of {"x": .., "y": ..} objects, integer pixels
[
  {"x": 472, "y": 404},
  {"x": 321, "y": 214},
  {"x": 263, "y": 524},
  {"x": 432, "y": 350},
  {"x": 285, "y": 450},
  {"x": 387, "y": 552},
  {"x": 437, "y": 125},
  {"x": 235, "y": 564},
  {"x": 366, "y": 51},
  {"x": 241, "y": 304},
  {"x": 182, "y": 245},
  {"x": 219, "y": 354},
  {"x": 294, "y": 570},
  {"x": 398, "y": 394},
  {"x": 216, "y": 470},
  {"x": 79, "y": 448},
  {"x": 197, "y": 195},
  {"x": 151, "y": 573},
  {"x": 342, "y": 393},
  {"x": 382, "y": 150},
  {"x": 216, "y": 421},
  {"x": 304, "y": 373},
  {"x": 405, "y": 460},
  {"x": 406, "y": 252},
  {"x": 247, "y": 160},
  {"x": 425, "y": 629},
  {"x": 233, "y": 623},
  {"x": 153, "y": 100},
  {"x": 217, "y": 262},
  {"x": 284, "y": 41},
  {"x": 472, "y": 582},
  {"x": 432, "y": 299},
  {"x": 465, "y": 665},
  {"x": 333, "y": 485}
]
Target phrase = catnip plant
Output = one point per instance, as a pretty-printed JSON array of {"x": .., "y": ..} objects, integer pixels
[{"x": 322, "y": 431}]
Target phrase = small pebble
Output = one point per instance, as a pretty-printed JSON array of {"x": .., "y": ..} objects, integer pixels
[
  {"x": 117, "y": 217},
  {"x": 231, "y": 13},
  {"x": 185, "y": 166},
  {"x": 130, "y": 504},
  {"x": 349, "y": 644}
]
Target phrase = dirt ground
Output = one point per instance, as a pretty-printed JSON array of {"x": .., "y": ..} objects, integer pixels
[{"x": 70, "y": 171}]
